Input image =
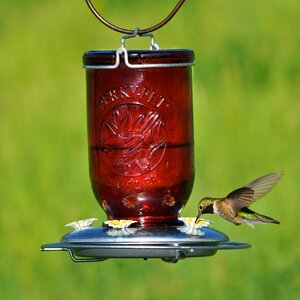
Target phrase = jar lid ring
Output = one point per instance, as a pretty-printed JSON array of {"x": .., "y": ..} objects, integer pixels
[{"x": 122, "y": 50}]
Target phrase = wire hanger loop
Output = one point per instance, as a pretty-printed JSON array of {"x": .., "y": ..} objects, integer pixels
[{"x": 131, "y": 31}]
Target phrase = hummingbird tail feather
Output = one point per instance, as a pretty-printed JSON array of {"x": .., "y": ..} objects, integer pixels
[
  {"x": 249, "y": 216},
  {"x": 265, "y": 219},
  {"x": 250, "y": 224}
]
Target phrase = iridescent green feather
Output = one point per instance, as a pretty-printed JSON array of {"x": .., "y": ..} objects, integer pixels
[{"x": 250, "y": 215}]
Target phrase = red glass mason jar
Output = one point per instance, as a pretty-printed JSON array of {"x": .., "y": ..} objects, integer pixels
[{"x": 140, "y": 133}]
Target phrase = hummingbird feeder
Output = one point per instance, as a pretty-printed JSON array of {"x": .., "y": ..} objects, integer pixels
[{"x": 141, "y": 156}]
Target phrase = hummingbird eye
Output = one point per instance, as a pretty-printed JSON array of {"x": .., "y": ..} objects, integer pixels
[{"x": 201, "y": 207}]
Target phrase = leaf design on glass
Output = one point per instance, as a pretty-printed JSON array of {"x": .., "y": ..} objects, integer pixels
[
  {"x": 112, "y": 127},
  {"x": 152, "y": 152},
  {"x": 158, "y": 127},
  {"x": 137, "y": 134},
  {"x": 137, "y": 123},
  {"x": 121, "y": 118},
  {"x": 149, "y": 121},
  {"x": 121, "y": 121},
  {"x": 132, "y": 146}
]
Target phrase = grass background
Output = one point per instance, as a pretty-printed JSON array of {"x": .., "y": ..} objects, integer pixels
[{"x": 247, "y": 123}]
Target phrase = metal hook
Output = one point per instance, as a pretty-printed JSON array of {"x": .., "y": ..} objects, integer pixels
[
  {"x": 153, "y": 45},
  {"x": 130, "y": 31},
  {"x": 132, "y": 35}
]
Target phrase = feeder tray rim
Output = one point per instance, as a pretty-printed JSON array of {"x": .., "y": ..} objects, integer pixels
[
  {"x": 168, "y": 243},
  {"x": 168, "y": 253}
]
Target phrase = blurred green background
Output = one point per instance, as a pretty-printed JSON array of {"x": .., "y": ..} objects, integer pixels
[{"x": 247, "y": 123}]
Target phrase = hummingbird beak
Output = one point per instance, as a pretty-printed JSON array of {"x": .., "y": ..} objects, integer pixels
[
  {"x": 196, "y": 221},
  {"x": 198, "y": 217}
]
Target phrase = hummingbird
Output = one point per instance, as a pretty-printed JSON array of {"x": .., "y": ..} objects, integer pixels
[{"x": 235, "y": 206}]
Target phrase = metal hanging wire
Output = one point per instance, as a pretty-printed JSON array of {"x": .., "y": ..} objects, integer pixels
[{"x": 131, "y": 31}]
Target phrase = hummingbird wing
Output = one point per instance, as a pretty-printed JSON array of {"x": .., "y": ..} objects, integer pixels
[
  {"x": 239, "y": 198},
  {"x": 251, "y": 192},
  {"x": 264, "y": 185}
]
